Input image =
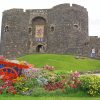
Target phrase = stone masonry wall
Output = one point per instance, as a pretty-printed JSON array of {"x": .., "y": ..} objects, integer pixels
[{"x": 66, "y": 31}]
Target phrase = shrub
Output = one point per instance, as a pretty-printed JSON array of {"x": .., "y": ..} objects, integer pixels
[{"x": 90, "y": 84}]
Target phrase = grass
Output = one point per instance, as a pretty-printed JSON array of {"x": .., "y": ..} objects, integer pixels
[
  {"x": 47, "y": 98},
  {"x": 40, "y": 92},
  {"x": 62, "y": 62},
  {"x": 54, "y": 95}
]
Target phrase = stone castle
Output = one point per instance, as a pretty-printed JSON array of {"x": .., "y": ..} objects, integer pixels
[{"x": 62, "y": 29}]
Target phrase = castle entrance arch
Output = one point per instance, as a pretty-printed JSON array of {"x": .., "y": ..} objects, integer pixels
[
  {"x": 39, "y": 28},
  {"x": 40, "y": 48}
]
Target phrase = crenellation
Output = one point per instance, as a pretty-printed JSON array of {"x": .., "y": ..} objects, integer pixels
[
  {"x": 94, "y": 38},
  {"x": 11, "y": 11},
  {"x": 78, "y": 7},
  {"x": 62, "y": 6}
]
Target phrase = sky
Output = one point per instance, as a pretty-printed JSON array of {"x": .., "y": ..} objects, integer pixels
[{"x": 92, "y": 7}]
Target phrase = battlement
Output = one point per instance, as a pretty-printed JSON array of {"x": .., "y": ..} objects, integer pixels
[
  {"x": 94, "y": 38},
  {"x": 57, "y": 7},
  {"x": 62, "y": 6},
  {"x": 14, "y": 10},
  {"x": 36, "y": 10},
  {"x": 68, "y": 6},
  {"x": 78, "y": 7}
]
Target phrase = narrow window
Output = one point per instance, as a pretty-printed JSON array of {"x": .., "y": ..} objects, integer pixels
[
  {"x": 29, "y": 29},
  {"x": 86, "y": 43},
  {"x": 52, "y": 28},
  {"x": 6, "y": 28},
  {"x": 76, "y": 26}
]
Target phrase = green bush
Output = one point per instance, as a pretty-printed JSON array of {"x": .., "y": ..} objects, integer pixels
[{"x": 90, "y": 84}]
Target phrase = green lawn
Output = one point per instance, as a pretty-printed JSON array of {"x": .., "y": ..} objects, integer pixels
[
  {"x": 47, "y": 98},
  {"x": 41, "y": 95},
  {"x": 62, "y": 62}
]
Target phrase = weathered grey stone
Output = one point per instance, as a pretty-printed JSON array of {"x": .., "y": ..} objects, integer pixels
[{"x": 65, "y": 31}]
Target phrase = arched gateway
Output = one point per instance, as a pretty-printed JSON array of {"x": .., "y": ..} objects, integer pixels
[{"x": 40, "y": 49}]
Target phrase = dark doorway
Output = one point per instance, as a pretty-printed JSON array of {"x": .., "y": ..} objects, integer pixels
[{"x": 40, "y": 49}]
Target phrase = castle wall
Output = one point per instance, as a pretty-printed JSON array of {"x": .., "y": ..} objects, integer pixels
[
  {"x": 15, "y": 37},
  {"x": 66, "y": 31},
  {"x": 70, "y": 28},
  {"x": 95, "y": 43}
]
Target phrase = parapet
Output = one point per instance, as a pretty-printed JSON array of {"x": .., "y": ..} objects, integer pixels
[
  {"x": 10, "y": 11},
  {"x": 78, "y": 7},
  {"x": 13, "y": 11},
  {"x": 57, "y": 7},
  {"x": 62, "y": 6},
  {"x": 94, "y": 37},
  {"x": 68, "y": 6},
  {"x": 37, "y": 10}
]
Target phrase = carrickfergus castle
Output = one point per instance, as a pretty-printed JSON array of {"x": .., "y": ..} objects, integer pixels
[{"x": 62, "y": 29}]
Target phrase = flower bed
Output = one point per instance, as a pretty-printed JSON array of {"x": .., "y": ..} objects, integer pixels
[
  {"x": 90, "y": 84},
  {"x": 46, "y": 79}
]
